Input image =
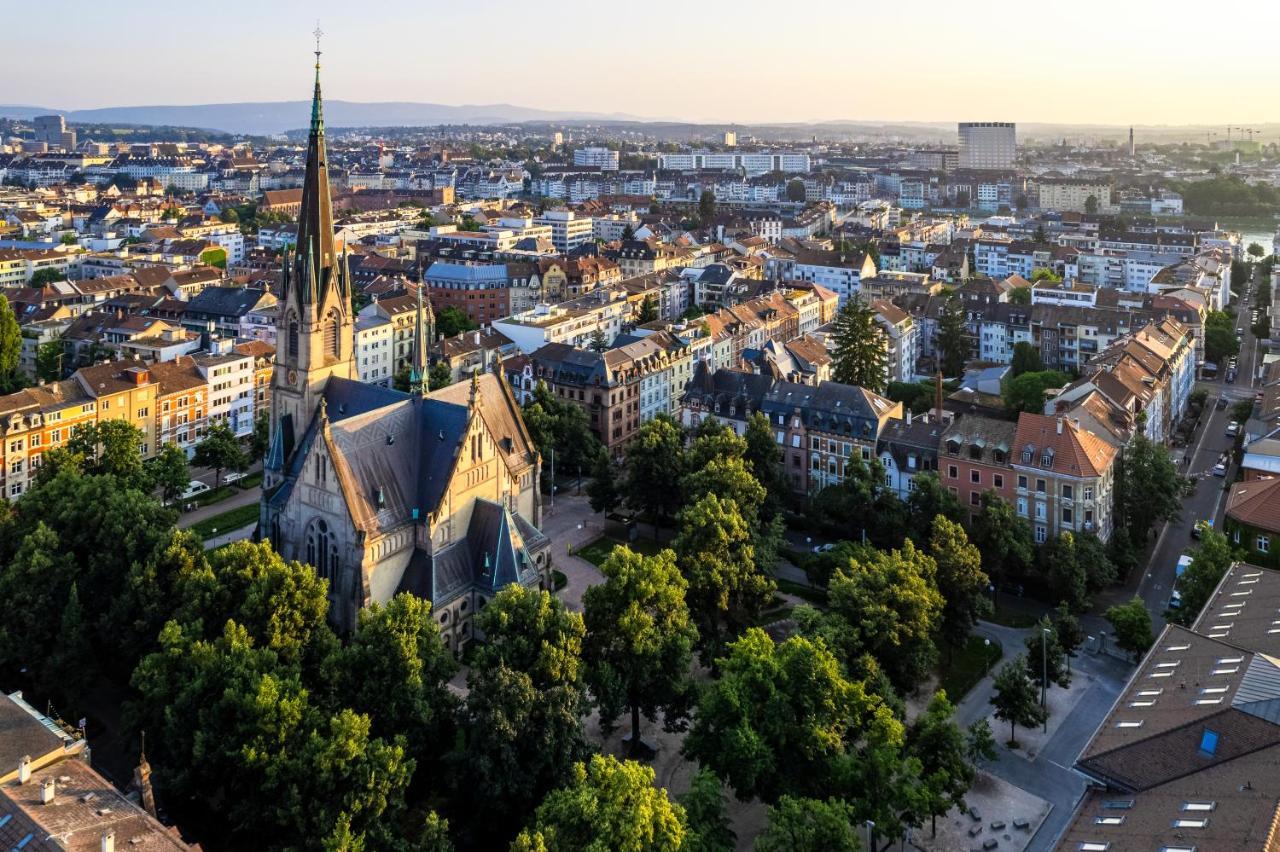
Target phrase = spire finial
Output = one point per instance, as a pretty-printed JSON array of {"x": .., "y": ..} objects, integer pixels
[{"x": 318, "y": 32}]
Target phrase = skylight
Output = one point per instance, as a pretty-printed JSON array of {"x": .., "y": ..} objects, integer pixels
[
  {"x": 1199, "y": 806},
  {"x": 1177, "y": 647},
  {"x": 1200, "y": 702},
  {"x": 1190, "y": 823},
  {"x": 1209, "y": 743},
  {"x": 1225, "y": 671},
  {"x": 1147, "y": 693},
  {"x": 1211, "y": 690},
  {"x": 1129, "y": 723},
  {"x": 1230, "y": 660},
  {"x": 1142, "y": 704},
  {"x": 1106, "y": 820}
]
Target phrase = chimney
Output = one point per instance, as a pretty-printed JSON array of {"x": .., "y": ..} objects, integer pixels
[
  {"x": 1059, "y": 422},
  {"x": 108, "y": 841},
  {"x": 24, "y": 769},
  {"x": 47, "y": 792},
  {"x": 937, "y": 396}
]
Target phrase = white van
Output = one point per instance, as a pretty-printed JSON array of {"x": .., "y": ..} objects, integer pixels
[{"x": 194, "y": 487}]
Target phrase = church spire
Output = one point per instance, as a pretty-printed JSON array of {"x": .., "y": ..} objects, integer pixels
[
  {"x": 418, "y": 381},
  {"x": 315, "y": 258}
]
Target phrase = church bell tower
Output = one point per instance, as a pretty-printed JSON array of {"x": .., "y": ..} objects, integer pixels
[{"x": 315, "y": 331}]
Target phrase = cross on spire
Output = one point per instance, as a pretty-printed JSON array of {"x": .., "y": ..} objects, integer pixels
[{"x": 318, "y": 32}]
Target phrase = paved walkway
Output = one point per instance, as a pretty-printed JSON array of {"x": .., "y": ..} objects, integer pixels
[
  {"x": 1049, "y": 775},
  {"x": 234, "y": 535},
  {"x": 235, "y": 501}
]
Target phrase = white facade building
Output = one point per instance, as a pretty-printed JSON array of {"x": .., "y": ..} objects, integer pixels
[
  {"x": 602, "y": 158},
  {"x": 374, "y": 344}
]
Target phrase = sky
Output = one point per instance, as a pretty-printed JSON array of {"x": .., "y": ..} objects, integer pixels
[{"x": 1087, "y": 61}]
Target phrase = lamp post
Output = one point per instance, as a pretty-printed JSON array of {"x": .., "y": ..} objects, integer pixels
[
  {"x": 870, "y": 827},
  {"x": 1044, "y": 674},
  {"x": 986, "y": 643}
]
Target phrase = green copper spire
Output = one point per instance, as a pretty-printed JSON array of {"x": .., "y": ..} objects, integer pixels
[{"x": 317, "y": 112}]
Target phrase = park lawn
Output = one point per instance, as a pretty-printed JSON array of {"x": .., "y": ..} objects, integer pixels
[
  {"x": 228, "y": 521},
  {"x": 967, "y": 666},
  {"x": 812, "y": 594},
  {"x": 598, "y": 551}
]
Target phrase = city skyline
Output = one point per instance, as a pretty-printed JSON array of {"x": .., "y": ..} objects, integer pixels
[{"x": 849, "y": 71}]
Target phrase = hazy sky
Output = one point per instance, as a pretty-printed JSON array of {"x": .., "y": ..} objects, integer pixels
[{"x": 1104, "y": 61}]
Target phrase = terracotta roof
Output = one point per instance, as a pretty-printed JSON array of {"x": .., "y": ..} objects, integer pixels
[
  {"x": 1075, "y": 451},
  {"x": 1256, "y": 504}
]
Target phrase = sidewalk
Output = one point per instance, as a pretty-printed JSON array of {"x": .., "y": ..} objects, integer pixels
[{"x": 226, "y": 538}]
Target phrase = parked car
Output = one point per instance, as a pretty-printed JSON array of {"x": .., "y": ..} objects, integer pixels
[
  {"x": 1233, "y": 428},
  {"x": 1231, "y": 377},
  {"x": 194, "y": 487},
  {"x": 1220, "y": 469},
  {"x": 1222, "y": 403},
  {"x": 1199, "y": 528},
  {"x": 824, "y": 548},
  {"x": 233, "y": 476}
]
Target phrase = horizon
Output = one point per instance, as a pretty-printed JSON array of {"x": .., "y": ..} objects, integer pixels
[{"x": 711, "y": 82}]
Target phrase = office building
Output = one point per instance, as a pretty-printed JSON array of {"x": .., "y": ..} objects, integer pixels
[{"x": 990, "y": 145}]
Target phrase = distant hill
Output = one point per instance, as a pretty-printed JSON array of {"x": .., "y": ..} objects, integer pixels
[{"x": 279, "y": 116}]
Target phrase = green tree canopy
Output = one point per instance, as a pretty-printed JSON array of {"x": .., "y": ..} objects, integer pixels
[
  {"x": 1209, "y": 562},
  {"x": 860, "y": 357},
  {"x": 708, "y": 826},
  {"x": 942, "y": 749},
  {"x": 10, "y": 347},
  {"x": 953, "y": 338},
  {"x": 220, "y": 449},
  {"x": 961, "y": 580},
  {"x": 639, "y": 640},
  {"x": 1003, "y": 538},
  {"x": 655, "y": 467},
  {"x": 452, "y": 321},
  {"x": 169, "y": 472},
  {"x": 112, "y": 448},
  {"x": 608, "y": 805},
  {"x": 1131, "y": 624},
  {"x": 810, "y": 825},
  {"x": 1015, "y": 699},
  {"x": 1027, "y": 392},
  {"x": 1026, "y": 357},
  {"x": 1149, "y": 490}
]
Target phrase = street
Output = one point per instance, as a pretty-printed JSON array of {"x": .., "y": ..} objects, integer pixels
[{"x": 1208, "y": 444}]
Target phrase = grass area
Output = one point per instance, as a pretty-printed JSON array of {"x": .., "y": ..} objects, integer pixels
[
  {"x": 808, "y": 593},
  {"x": 559, "y": 579},
  {"x": 966, "y": 666},
  {"x": 234, "y": 519},
  {"x": 1012, "y": 618},
  {"x": 598, "y": 551},
  {"x": 253, "y": 480}
]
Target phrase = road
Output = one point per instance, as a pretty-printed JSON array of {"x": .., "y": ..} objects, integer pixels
[{"x": 1208, "y": 444}]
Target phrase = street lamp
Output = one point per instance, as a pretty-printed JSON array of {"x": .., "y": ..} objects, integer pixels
[
  {"x": 870, "y": 826},
  {"x": 1044, "y": 675},
  {"x": 987, "y": 651}
]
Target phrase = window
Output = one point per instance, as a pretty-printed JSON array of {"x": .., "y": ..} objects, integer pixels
[
  {"x": 997, "y": 480},
  {"x": 1209, "y": 743},
  {"x": 1264, "y": 543},
  {"x": 1067, "y": 515},
  {"x": 952, "y": 472},
  {"x": 1040, "y": 535},
  {"x": 975, "y": 476},
  {"x": 293, "y": 339},
  {"x": 1199, "y": 806},
  {"x": 1088, "y": 492},
  {"x": 974, "y": 498},
  {"x": 1040, "y": 512},
  {"x": 1067, "y": 492},
  {"x": 1190, "y": 823},
  {"x": 1022, "y": 506},
  {"x": 1040, "y": 486},
  {"x": 1022, "y": 483}
]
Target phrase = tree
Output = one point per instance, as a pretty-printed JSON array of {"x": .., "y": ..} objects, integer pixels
[
  {"x": 655, "y": 465},
  {"x": 10, "y": 344},
  {"x": 1131, "y": 625},
  {"x": 396, "y": 669},
  {"x": 1020, "y": 296},
  {"x": 639, "y": 640},
  {"x": 648, "y": 310},
  {"x": 707, "y": 823},
  {"x": 1065, "y": 576},
  {"x": 859, "y": 347},
  {"x": 1099, "y": 571},
  {"x": 980, "y": 743},
  {"x": 608, "y": 805},
  {"x": 439, "y": 376},
  {"x": 809, "y": 825},
  {"x": 729, "y": 478},
  {"x": 49, "y": 360},
  {"x": 707, "y": 205},
  {"x": 795, "y": 191},
  {"x": 929, "y": 500},
  {"x": 169, "y": 472},
  {"x": 727, "y": 590},
  {"x": 1046, "y": 661},
  {"x": 604, "y": 491},
  {"x": 260, "y": 442},
  {"x": 452, "y": 321},
  {"x": 782, "y": 719},
  {"x": 953, "y": 337},
  {"x": 946, "y": 770},
  {"x": 1003, "y": 538},
  {"x": 111, "y": 447},
  {"x": 1015, "y": 698},
  {"x": 1091, "y": 205},
  {"x": 1067, "y": 629},
  {"x": 36, "y": 582},
  {"x": 628, "y": 233},
  {"x": 961, "y": 580},
  {"x": 764, "y": 461},
  {"x": 1209, "y": 561},
  {"x": 522, "y": 723},
  {"x": 1220, "y": 337},
  {"x": 48, "y": 275},
  {"x": 1026, "y": 358},
  {"x": 886, "y": 603},
  {"x": 220, "y": 449},
  {"x": 1027, "y": 392},
  {"x": 1255, "y": 250},
  {"x": 560, "y": 431},
  {"x": 1149, "y": 489}
]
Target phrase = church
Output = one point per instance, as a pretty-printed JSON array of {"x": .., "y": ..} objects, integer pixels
[{"x": 382, "y": 491}]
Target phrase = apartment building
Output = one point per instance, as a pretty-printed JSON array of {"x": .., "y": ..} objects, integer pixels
[
  {"x": 1076, "y": 195},
  {"x": 574, "y": 322},
  {"x": 987, "y": 145},
  {"x": 374, "y": 344},
  {"x": 974, "y": 457},
  {"x": 1064, "y": 477},
  {"x": 482, "y": 291},
  {"x": 604, "y": 159},
  {"x": 568, "y": 229}
]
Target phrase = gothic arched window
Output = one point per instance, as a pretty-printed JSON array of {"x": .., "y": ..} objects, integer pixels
[
  {"x": 322, "y": 549},
  {"x": 293, "y": 338}
]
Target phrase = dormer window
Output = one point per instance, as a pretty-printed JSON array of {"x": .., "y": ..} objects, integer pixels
[{"x": 1026, "y": 456}]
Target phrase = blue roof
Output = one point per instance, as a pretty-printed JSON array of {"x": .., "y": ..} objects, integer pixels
[{"x": 466, "y": 272}]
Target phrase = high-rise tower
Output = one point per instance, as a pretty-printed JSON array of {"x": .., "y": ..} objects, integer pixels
[{"x": 314, "y": 326}]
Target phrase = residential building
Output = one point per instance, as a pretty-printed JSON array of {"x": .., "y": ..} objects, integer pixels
[
  {"x": 604, "y": 159},
  {"x": 482, "y": 291},
  {"x": 974, "y": 457},
  {"x": 1064, "y": 477},
  {"x": 568, "y": 229},
  {"x": 1253, "y": 520}
]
